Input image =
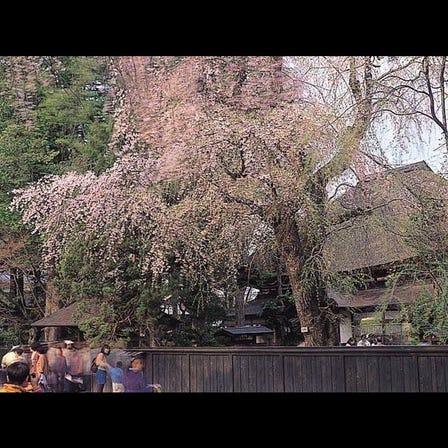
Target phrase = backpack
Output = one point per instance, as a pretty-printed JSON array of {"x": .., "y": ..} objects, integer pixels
[{"x": 93, "y": 366}]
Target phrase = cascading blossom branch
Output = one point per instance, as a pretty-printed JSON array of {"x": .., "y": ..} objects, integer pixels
[{"x": 119, "y": 204}]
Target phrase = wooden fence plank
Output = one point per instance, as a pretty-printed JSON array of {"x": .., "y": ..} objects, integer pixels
[
  {"x": 295, "y": 369},
  {"x": 384, "y": 374},
  {"x": 410, "y": 374},
  {"x": 373, "y": 377},
  {"x": 293, "y": 373},
  {"x": 350, "y": 374},
  {"x": 397, "y": 374},
  {"x": 425, "y": 374}
]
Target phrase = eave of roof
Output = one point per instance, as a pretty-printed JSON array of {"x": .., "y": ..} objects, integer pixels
[
  {"x": 60, "y": 318},
  {"x": 259, "y": 329},
  {"x": 380, "y": 296}
]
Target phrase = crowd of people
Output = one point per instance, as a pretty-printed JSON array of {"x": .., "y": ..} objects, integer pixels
[
  {"x": 61, "y": 368},
  {"x": 366, "y": 340},
  {"x": 51, "y": 368}
]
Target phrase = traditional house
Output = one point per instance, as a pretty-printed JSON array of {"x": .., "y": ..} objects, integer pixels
[
  {"x": 372, "y": 243},
  {"x": 369, "y": 241}
]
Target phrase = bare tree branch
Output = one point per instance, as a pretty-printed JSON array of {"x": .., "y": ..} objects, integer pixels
[{"x": 425, "y": 64}]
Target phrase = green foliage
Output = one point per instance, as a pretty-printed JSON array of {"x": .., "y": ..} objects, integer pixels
[
  {"x": 427, "y": 234},
  {"x": 194, "y": 321},
  {"x": 52, "y": 121},
  {"x": 70, "y": 122},
  {"x": 428, "y": 312},
  {"x": 69, "y": 129},
  {"x": 281, "y": 315},
  {"x": 13, "y": 334},
  {"x": 81, "y": 277},
  {"x": 8, "y": 337},
  {"x": 428, "y": 318},
  {"x": 96, "y": 327},
  {"x": 347, "y": 283}
]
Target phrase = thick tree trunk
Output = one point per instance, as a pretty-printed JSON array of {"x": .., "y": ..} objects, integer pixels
[
  {"x": 313, "y": 310},
  {"x": 307, "y": 310}
]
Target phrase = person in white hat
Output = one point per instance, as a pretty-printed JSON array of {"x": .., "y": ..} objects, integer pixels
[
  {"x": 14, "y": 355},
  {"x": 73, "y": 379}
]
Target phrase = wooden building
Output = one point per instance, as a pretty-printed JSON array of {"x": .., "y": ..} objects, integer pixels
[
  {"x": 372, "y": 243},
  {"x": 249, "y": 335},
  {"x": 369, "y": 240},
  {"x": 62, "y": 319}
]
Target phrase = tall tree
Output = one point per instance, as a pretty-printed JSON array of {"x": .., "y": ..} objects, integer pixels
[
  {"x": 220, "y": 156},
  {"x": 52, "y": 119},
  {"x": 246, "y": 157},
  {"x": 238, "y": 133}
]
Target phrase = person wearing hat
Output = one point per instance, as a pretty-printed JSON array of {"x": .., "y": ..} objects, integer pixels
[
  {"x": 73, "y": 379},
  {"x": 14, "y": 355}
]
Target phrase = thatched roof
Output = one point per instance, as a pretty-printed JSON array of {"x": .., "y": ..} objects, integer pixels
[
  {"x": 60, "y": 318},
  {"x": 378, "y": 296},
  {"x": 378, "y": 238}
]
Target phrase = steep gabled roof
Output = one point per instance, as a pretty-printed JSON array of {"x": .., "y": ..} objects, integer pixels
[{"x": 377, "y": 238}]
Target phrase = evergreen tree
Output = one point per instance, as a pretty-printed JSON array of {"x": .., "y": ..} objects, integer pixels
[{"x": 52, "y": 120}]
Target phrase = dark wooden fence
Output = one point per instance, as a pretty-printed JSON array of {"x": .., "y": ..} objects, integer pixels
[
  {"x": 287, "y": 369},
  {"x": 293, "y": 369}
]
